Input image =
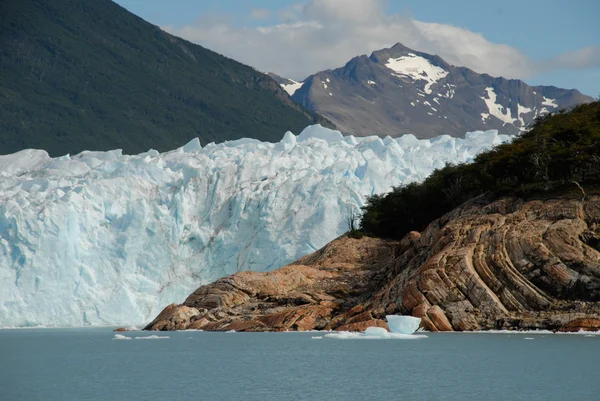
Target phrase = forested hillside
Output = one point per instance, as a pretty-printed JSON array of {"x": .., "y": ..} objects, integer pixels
[
  {"x": 88, "y": 75},
  {"x": 559, "y": 155}
]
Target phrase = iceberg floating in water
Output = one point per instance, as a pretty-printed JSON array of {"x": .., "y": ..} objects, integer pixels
[
  {"x": 102, "y": 238},
  {"x": 403, "y": 324},
  {"x": 402, "y": 327},
  {"x": 152, "y": 337},
  {"x": 121, "y": 337}
]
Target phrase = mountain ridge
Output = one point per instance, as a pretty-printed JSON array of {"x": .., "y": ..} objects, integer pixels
[{"x": 391, "y": 92}]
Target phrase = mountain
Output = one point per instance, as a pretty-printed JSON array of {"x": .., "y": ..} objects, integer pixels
[
  {"x": 100, "y": 238},
  {"x": 88, "y": 75},
  {"x": 398, "y": 91}
]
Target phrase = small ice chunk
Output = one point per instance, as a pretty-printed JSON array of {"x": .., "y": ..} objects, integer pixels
[
  {"x": 152, "y": 337},
  {"x": 376, "y": 332},
  {"x": 121, "y": 337},
  {"x": 403, "y": 324},
  {"x": 317, "y": 337}
]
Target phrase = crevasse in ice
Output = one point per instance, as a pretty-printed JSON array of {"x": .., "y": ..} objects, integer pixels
[{"x": 106, "y": 238}]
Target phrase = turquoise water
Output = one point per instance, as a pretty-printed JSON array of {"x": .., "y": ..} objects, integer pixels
[{"x": 87, "y": 364}]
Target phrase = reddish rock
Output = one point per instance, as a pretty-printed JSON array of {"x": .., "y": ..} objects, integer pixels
[
  {"x": 438, "y": 319},
  {"x": 174, "y": 317},
  {"x": 583, "y": 324},
  {"x": 356, "y": 310}
]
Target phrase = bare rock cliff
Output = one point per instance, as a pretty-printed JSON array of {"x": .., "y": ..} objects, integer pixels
[{"x": 509, "y": 264}]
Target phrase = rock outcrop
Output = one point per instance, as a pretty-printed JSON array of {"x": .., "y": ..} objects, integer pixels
[{"x": 509, "y": 264}]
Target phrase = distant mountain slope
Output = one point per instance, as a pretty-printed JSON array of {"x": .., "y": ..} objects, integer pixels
[
  {"x": 398, "y": 90},
  {"x": 87, "y": 74}
]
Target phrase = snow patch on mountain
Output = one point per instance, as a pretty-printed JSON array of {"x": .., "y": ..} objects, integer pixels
[
  {"x": 522, "y": 110},
  {"x": 450, "y": 91},
  {"x": 292, "y": 87},
  {"x": 549, "y": 102},
  {"x": 417, "y": 68},
  {"x": 496, "y": 109},
  {"x": 102, "y": 238}
]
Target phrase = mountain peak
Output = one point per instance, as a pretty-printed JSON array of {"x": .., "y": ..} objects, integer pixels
[
  {"x": 399, "y": 90},
  {"x": 399, "y": 47}
]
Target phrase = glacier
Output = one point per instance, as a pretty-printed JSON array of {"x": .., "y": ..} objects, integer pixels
[{"x": 102, "y": 238}]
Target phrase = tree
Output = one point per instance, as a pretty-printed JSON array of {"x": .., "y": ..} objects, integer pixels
[
  {"x": 540, "y": 160},
  {"x": 352, "y": 220}
]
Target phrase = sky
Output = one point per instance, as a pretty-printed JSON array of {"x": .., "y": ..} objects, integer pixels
[{"x": 543, "y": 42}]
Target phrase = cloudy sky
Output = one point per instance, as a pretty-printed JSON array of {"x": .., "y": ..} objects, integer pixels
[{"x": 544, "y": 42}]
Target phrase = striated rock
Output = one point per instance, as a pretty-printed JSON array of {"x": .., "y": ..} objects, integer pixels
[
  {"x": 582, "y": 324},
  {"x": 175, "y": 317},
  {"x": 508, "y": 264},
  {"x": 313, "y": 293}
]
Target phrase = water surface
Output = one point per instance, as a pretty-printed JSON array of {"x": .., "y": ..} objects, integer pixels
[{"x": 87, "y": 364}]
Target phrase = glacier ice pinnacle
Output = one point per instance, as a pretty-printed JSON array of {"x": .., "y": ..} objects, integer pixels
[{"x": 102, "y": 238}]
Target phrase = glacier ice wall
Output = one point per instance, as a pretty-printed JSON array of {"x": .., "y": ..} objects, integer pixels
[{"x": 103, "y": 238}]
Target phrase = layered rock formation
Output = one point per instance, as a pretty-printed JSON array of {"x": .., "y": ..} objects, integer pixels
[{"x": 509, "y": 264}]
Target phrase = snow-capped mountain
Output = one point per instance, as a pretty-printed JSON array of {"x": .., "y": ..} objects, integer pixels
[
  {"x": 104, "y": 238},
  {"x": 398, "y": 91}
]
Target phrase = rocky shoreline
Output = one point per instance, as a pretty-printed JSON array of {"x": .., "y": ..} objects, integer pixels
[{"x": 505, "y": 265}]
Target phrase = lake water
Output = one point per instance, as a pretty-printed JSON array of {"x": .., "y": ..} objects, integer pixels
[{"x": 87, "y": 364}]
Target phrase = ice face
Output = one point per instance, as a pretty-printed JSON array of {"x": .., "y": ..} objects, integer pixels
[
  {"x": 403, "y": 324},
  {"x": 102, "y": 238}
]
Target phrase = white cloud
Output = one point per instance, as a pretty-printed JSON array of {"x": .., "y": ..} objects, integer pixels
[
  {"x": 260, "y": 14},
  {"x": 324, "y": 34},
  {"x": 588, "y": 57}
]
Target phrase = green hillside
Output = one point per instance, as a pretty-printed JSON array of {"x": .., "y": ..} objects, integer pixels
[
  {"x": 88, "y": 74},
  {"x": 559, "y": 156}
]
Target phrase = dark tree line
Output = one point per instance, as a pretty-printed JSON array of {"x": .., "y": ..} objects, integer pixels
[{"x": 560, "y": 153}]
